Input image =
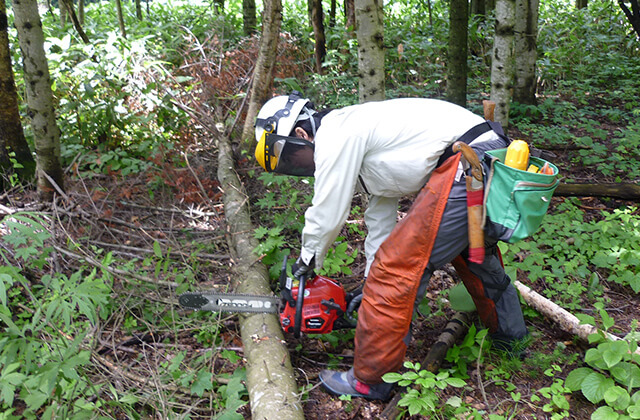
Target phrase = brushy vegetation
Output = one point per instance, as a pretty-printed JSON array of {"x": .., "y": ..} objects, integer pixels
[{"x": 126, "y": 110}]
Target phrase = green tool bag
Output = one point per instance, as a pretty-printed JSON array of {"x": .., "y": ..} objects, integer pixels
[{"x": 515, "y": 201}]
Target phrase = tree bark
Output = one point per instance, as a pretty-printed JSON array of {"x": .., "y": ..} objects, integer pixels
[
  {"x": 39, "y": 96},
  {"x": 478, "y": 7},
  {"x": 502, "y": 62},
  {"x": 332, "y": 13},
  {"x": 263, "y": 73},
  {"x": 249, "y": 23},
  {"x": 632, "y": 15},
  {"x": 81, "y": 12},
  {"x": 581, "y": 4},
  {"x": 123, "y": 30},
  {"x": 457, "y": 52},
  {"x": 273, "y": 392},
  {"x": 370, "y": 34},
  {"x": 68, "y": 6},
  {"x": 12, "y": 138},
  {"x": 526, "y": 35},
  {"x": 139, "y": 9},
  {"x": 622, "y": 191},
  {"x": 317, "y": 16},
  {"x": 350, "y": 16}
]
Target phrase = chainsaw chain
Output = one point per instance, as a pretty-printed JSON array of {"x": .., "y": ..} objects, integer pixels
[{"x": 216, "y": 302}]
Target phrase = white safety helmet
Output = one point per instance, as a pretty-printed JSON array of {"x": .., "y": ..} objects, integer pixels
[{"x": 276, "y": 150}]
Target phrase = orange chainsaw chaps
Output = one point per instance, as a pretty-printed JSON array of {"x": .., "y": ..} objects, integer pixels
[
  {"x": 486, "y": 307},
  {"x": 389, "y": 293}
]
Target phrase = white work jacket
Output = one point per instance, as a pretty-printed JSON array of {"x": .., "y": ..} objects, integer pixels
[{"x": 392, "y": 146}]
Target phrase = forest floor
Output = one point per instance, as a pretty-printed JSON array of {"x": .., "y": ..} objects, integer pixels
[
  {"x": 119, "y": 214},
  {"x": 179, "y": 207}
]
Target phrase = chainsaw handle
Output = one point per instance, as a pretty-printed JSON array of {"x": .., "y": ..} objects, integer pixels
[{"x": 299, "y": 301}]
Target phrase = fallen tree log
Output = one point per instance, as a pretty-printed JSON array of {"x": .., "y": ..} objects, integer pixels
[
  {"x": 455, "y": 329},
  {"x": 566, "y": 320},
  {"x": 623, "y": 191},
  {"x": 273, "y": 391}
]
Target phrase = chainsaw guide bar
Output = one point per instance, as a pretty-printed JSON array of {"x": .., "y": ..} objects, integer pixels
[{"x": 217, "y": 302}]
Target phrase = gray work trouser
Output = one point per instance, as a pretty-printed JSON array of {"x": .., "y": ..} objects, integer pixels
[{"x": 453, "y": 240}]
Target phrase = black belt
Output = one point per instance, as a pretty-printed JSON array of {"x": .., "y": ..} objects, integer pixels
[{"x": 472, "y": 134}]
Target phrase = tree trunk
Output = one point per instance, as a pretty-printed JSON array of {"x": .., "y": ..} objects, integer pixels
[
  {"x": 123, "y": 30},
  {"x": 370, "y": 33},
  {"x": 12, "y": 138},
  {"x": 249, "y": 22},
  {"x": 632, "y": 15},
  {"x": 502, "y": 62},
  {"x": 581, "y": 4},
  {"x": 68, "y": 6},
  {"x": 457, "y": 52},
  {"x": 526, "y": 35},
  {"x": 39, "y": 96},
  {"x": 139, "y": 9},
  {"x": 317, "y": 16},
  {"x": 621, "y": 191},
  {"x": 350, "y": 16},
  {"x": 263, "y": 73},
  {"x": 478, "y": 7},
  {"x": 271, "y": 383},
  {"x": 332, "y": 13},
  {"x": 81, "y": 12}
]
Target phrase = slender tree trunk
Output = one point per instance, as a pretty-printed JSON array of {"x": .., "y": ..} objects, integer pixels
[
  {"x": 632, "y": 15},
  {"x": 370, "y": 33},
  {"x": 350, "y": 16},
  {"x": 81, "y": 12},
  {"x": 123, "y": 30},
  {"x": 581, "y": 4},
  {"x": 332, "y": 13},
  {"x": 139, "y": 9},
  {"x": 502, "y": 63},
  {"x": 478, "y": 7},
  {"x": 263, "y": 73},
  {"x": 11, "y": 135},
  {"x": 317, "y": 18},
  {"x": 249, "y": 17},
  {"x": 457, "y": 52},
  {"x": 526, "y": 35},
  {"x": 39, "y": 96},
  {"x": 68, "y": 6}
]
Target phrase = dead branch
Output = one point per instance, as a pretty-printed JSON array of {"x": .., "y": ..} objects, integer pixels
[
  {"x": 629, "y": 191},
  {"x": 566, "y": 320}
]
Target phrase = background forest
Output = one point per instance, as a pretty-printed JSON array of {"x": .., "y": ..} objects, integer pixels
[{"x": 145, "y": 98}]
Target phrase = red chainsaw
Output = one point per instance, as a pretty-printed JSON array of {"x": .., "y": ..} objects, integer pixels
[{"x": 315, "y": 305}]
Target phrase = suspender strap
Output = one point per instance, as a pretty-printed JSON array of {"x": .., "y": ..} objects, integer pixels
[{"x": 472, "y": 134}]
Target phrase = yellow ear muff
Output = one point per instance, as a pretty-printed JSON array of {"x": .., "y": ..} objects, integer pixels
[{"x": 262, "y": 153}]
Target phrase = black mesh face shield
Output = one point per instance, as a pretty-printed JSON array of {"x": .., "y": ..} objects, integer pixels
[{"x": 289, "y": 155}]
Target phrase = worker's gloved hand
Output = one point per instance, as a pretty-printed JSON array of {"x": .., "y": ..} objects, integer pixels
[{"x": 300, "y": 268}]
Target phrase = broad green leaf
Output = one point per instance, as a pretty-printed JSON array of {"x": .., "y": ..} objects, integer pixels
[
  {"x": 604, "y": 413},
  {"x": 611, "y": 358},
  {"x": 617, "y": 397},
  {"x": 575, "y": 378},
  {"x": 595, "y": 385},
  {"x": 392, "y": 377},
  {"x": 634, "y": 411},
  {"x": 460, "y": 299},
  {"x": 456, "y": 382}
]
